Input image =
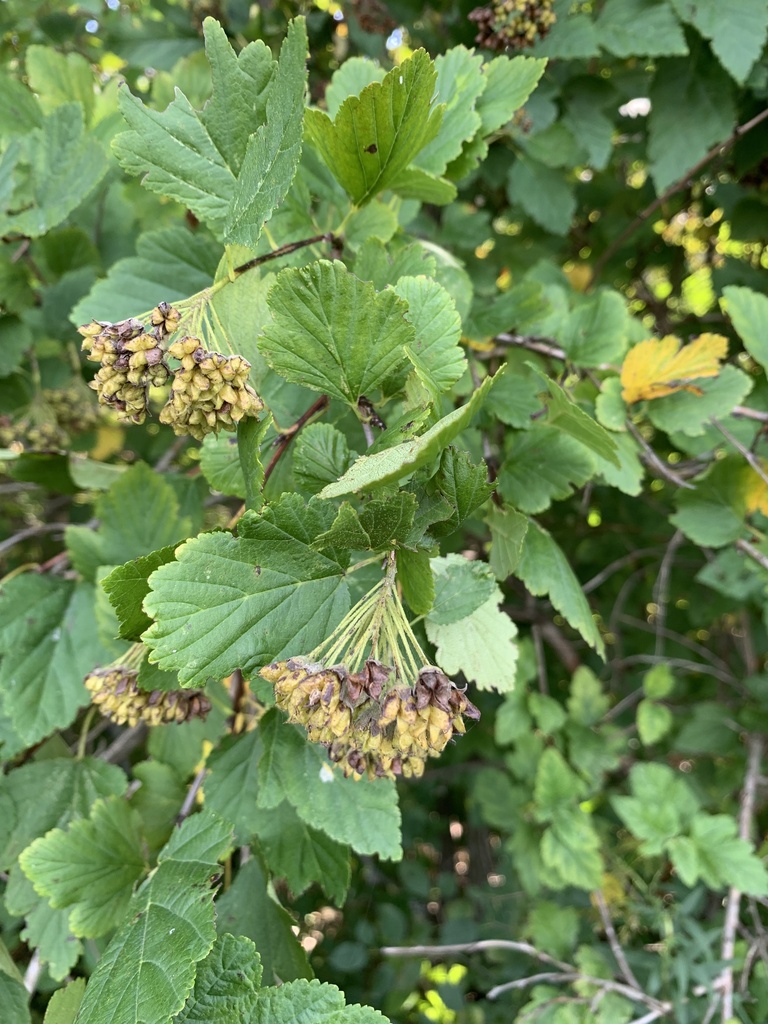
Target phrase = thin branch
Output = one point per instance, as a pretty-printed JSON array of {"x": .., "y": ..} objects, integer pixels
[
  {"x": 613, "y": 939},
  {"x": 678, "y": 638},
  {"x": 533, "y": 979},
  {"x": 285, "y": 250},
  {"x": 648, "y": 1017},
  {"x": 285, "y": 437},
  {"x": 544, "y": 346},
  {"x": 661, "y": 589},
  {"x": 189, "y": 799},
  {"x": 167, "y": 458},
  {"x": 125, "y": 743},
  {"x": 30, "y": 531},
  {"x": 748, "y": 455},
  {"x": 652, "y": 460},
  {"x": 614, "y": 566},
  {"x": 750, "y": 414},
  {"x": 674, "y": 188},
  {"x": 681, "y": 663},
  {"x": 752, "y": 551},
  {"x": 733, "y": 903}
]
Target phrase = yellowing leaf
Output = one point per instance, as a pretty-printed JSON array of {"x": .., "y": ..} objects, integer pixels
[
  {"x": 755, "y": 491},
  {"x": 656, "y": 368}
]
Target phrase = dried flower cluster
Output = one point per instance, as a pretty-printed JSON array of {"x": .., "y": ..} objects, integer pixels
[
  {"x": 115, "y": 692},
  {"x": 513, "y": 24},
  {"x": 209, "y": 391}
]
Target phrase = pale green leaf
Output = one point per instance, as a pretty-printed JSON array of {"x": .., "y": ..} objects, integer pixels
[
  {"x": 363, "y": 815},
  {"x": 91, "y": 867},
  {"x": 127, "y": 586},
  {"x": 481, "y": 646},
  {"x": 46, "y": 929},
  {"x": 381, "y": 523},
  {"x": 543, "y": 193},
  {"x": 334, "y": 333},
  {"x": 571, "y": 848},
  {"x": 628, "y": 476},
  {"x": 658, "y": 682},
  {"x": 654, "y": 721},
  {"x": 273, "y": 152},
  {"x": 299, "y": 1002},
  {"x": 142, "y": 976},
  {"x": 460, "y": 82},
  {"x": 302, "y": 855},
  {"x": 691, "y": 109},
  {"x": 517, "y": 397},
  {"x": 226, "y": 984},
  {"x": 737, "y": 33},
  {"x": 556, "y": 786},
  {"x": 724, "y": 858},
  {"x": 544, "y": 570},
  {"x": 543, "y": 465},
  {"x": 437, "y": 324},
  {"x": 414, "y": 575},
  {"x": 688, "y": 412},
  {"x": 661, "y": 34},
  {"x": 587, "y": 703},
  {"x": 65, "y": 1002},
  {"x": 158, "y": 799},
  {"x": 463, "y": 484},
  {"x": 350, "y": 80},
  {"x": 395, "y": 463},
  {"x": 461, "y": 587},
  {"x": 59, "y": 78},
  {"x": 377, "y": 134},
  {"x": 610, "y": 407},
  {"x": 509, "y": 83},
  {"x": 549, "y": 714},
  {"x": 597, "y": 329},
  {"x": 713, "y": 514},
  {"x": 249, "y": 908},
  {"x": 748, "y": 311},
  {"x": 20, "y": 111},
  {"x": 65, "y": 165},
  {"x": 508, "y": 529},
  {"x": 554, "y": 928}
]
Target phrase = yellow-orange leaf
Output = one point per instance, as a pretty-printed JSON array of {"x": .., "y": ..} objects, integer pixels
[{"x": 656, "y": 368}]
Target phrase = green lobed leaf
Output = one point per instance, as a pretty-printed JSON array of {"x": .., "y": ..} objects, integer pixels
[
  {"x": 46, "y": 929},
  {"x": 543, "y": 193},
  {"x": 587, "y": 703},
  {"x": 300, "y": 1001},
  {"x": 564, "y": 414},
  {"x": 688, "y": 413},
  {"x": 249, "y": 908},
  {"x": 463, "y": 484},
  {"x": 737, "y": 35},
  {"x": 414, "y": 574},
  {"x": 232, "y": 785},
  {"x": 508, "y": 530},
  {"x": 320, "y": 456},
  {"x": 226, "y": 984},
  {"x": 65, "y": 1002},
  {"x": 334, "y": 333},
  {"x": 654, "y": 722},
  {"x": 14, "y": 999},
  {"x": 91, "y": 867},
  {"x": 228, "y": 603},
  {"x": 481, "y": 646},
  {"x": 572, "y": 37},
  {"x": 461, "y": 587},
  {"x": 395, "y": 463},
  {"x": 59, "y": 78},
  {"x": 597, "y": 329},
  {"x": 171, "y": 263},
  {"x": 691, "y": 109},
  {"x": 349, "y": 80},
  {"x": 713, "y": 514},
  {"x": 661, "y": 35},
  {"x": 570, "y": 847},
  {"x": 302, "y": 855},
  {"x": 748, "y": 311},
  {"x": 557, "y": 786},
  {"x": 48, "y": 645},
  {"x": 509, "y": 83},
  {"x": 514, "y": 310},
  {"x": 127, "y": 586},
  {"x": 272, "y": 154},
  {"x": 376, "y": 135},
  {"x": 65, "y": 165},
  {"x": 544, "y": 570},
  {"x": 363, "y": 815},
  {"x": 220, "y": 464},
  {"x": 543, "y": 465},
  {"x": 19, "y": 108},
  {"x": 380, "y": 524},
  {"x": 437, "y": 324},
  {"x": 142, "y": 976},
  {"x": 158, "y": 800},
  {"x": 460, "y": 82}
]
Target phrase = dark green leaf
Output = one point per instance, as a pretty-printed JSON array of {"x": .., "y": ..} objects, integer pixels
[{"x": 128, "y": 585}]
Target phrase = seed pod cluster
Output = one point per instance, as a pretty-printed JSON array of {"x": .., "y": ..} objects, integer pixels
[
  {"x": 73, "y": 407},
  {"x": 369, "y": 724},
  {"x": 513, "y": 24},
  {"x": 131, "y": 358},
  {"x": 209, "y": 391},
  {"x": 115, "y": 692},
  {"x": 42, "y": 435}
]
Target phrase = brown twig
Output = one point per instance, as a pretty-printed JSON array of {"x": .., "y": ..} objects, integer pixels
[
  {"x": 674, "y": 188},
  {"x": 654, "y": 463},
  {"x": 733, "y": 903},
  {"x": 613, "y": 939},
  {"x": 661, "y": 589},
  {"x": 31, "y": 531},
  {"x": 740, "y": 448},
  {"x": 189, "y": 799},
  {"x": 285, "y": 250},
  {"x": 285, "y": 437}
]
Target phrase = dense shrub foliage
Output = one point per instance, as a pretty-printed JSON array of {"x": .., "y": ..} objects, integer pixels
[{"x": 384, "y": 495}]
